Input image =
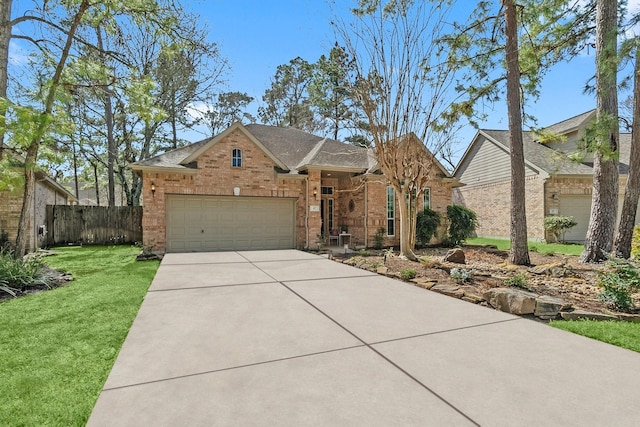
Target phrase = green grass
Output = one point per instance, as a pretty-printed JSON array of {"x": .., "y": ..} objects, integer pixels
[
  {"x": 621, "y": 334},
  {"x": 59, "y": 346},
  {"x": 543, "y": 248}
]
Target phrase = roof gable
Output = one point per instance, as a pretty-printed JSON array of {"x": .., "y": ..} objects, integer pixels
[
  {"x": 213, "y": 141},
  {"x": 548, "y": 159}
]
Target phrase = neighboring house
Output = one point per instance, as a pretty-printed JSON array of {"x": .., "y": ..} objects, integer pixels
[
  {"x": 47, "y": 192},
  {"x": 264, "y": 187},
  {"x": 87, "y": 193},
  {"x": 554, "y": 184}
]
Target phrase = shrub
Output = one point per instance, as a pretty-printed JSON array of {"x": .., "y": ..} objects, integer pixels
[
  {"x": 408, "y": 274},
  {"x": 460, "y": 275},
  {"x": 5, "y": 244},
  {"x": 19, "y": 274},
  {"x": 517, "y": 281},
  {"x": 378, "y": 238},
  {"x": 619, "y": 281},
  {"x": 635, "y": 243},
  {"x": 558, "y": 225},
  {"x": 364, "y": 252},
  {"x": 427, "y": 224},
  {"x": 462, "y": 223}
]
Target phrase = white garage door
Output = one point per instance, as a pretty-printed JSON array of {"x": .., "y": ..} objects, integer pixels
[
  {"x": 579, "y": 207},
  {"x": 221, "y": 223}
]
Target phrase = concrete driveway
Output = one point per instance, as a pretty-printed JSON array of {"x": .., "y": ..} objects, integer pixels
[{"x": 287, "y": 338}]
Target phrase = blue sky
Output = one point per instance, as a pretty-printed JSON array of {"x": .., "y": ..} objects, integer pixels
[{"x": 257, "y": 35}]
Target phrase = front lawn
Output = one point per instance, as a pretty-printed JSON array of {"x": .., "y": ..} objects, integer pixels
[
  {"x": 621, "y": 334},
  {"x": 58, "y": 346},
  {"x": 543, "y": 248}
]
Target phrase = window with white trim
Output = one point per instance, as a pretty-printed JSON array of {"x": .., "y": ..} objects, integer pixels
[
  {"x": 391, "y": 212},
  {"x": 426, "y": 198},
  {"x": 236, "y": 158}
]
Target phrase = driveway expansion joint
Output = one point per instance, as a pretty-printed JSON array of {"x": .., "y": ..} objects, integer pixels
[{"x": 231, "y": 368}]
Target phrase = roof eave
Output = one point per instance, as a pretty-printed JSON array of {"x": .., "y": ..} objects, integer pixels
[{"x": 163, "y": 169}]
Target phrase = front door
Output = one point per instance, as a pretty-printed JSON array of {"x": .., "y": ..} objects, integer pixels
[{"x": 326, "y": 215}]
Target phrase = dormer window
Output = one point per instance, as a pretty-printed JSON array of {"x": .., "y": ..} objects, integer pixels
[{"x": 236, "y": 158}]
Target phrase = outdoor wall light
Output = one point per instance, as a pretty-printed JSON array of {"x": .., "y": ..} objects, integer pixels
[
  {"x": 153, "y": 189},
  {"x": 315, "y": 193}
]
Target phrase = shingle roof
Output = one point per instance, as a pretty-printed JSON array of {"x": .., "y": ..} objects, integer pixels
[
  {"x": 294, "y": 148},
  {"x": 543, "y": 157},
  {"x": 172, "y": 159},
  {"x": 554, "y": 161},
  {"x": 571, "y": 123}
]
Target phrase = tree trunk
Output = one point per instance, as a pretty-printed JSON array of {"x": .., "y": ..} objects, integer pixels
[
  {"x": 108, "y": 118},
  {"x": 5, "y": 37},
  {"x": 622, "y": 242},
  {"x": 405, "y": 242},
  {"x": 96, "y": 183},
  {"x": 604, "y": 201},
  {"x": 519, "y": 253},
  {"x": 43, "y": 123}
]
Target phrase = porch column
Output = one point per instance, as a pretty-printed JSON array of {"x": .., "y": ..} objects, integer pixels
[{"x": 315, "y": 221}]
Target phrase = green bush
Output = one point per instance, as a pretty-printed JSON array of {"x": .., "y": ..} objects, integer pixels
[
  {"x": 378, "y": 238},
  {"x": 460, "y": 275},
  {"x": 462, "y": 223},
  {"x": 635, "y": 243},
  {"x": 19, "y": 274},
  {"x": 427, "y": 224},
  {"x": 557, "y": 225},
  {"x": 517, "y": 281},
  {"x": 619, "y": 281},
  {"x": 408, "y": 274},
  {"x": 5, "y": 244},
  {"x": 364, "y": 252}
]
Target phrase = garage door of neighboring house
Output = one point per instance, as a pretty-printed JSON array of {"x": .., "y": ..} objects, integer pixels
[
  {"x": 579, "y": 207},
  {"x": 222, "y": 223}
]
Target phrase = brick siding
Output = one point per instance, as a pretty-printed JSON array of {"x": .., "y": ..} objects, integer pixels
[{"x": 257, "y": 177}]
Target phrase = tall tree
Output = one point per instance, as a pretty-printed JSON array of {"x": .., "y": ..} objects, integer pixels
[
  {"x": 402, "y": 86},
  {"x": 287, "y": 100},
  {"x": 226, "y": 108},
  {"x": 622, "y": 241},
  {"x": 330, "y": 93},
  {"x": 603, "y": 139},
  {"x": 30, "y": 126},
  {"x": 5, "y": 37},
  {"x": 516, "y": 43},
  {"x": 41, "y": 121},
  {"x": 519, "y": 252}
]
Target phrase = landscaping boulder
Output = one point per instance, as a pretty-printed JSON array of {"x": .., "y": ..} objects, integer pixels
[
  {"x": 449, "y": 290},
  {"x": 554, "y": 269},
  {"x": 512, "y": 301},
  {"x": 455, "y": 256},
  {"x": 580, "y": 314},
  {"x": 549, "y": 308}
]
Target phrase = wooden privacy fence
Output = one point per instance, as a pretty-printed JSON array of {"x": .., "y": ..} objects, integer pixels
[{"x": 93, "y": 225}]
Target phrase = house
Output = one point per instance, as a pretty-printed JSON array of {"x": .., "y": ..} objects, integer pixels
[
  {"x": 265, "y": 187},
  {"x": 554, "y": 184},
  {"x": 47, "y": 192}
]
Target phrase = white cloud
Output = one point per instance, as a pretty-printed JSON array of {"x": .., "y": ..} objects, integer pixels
[{"x": 17, "y": 54}]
